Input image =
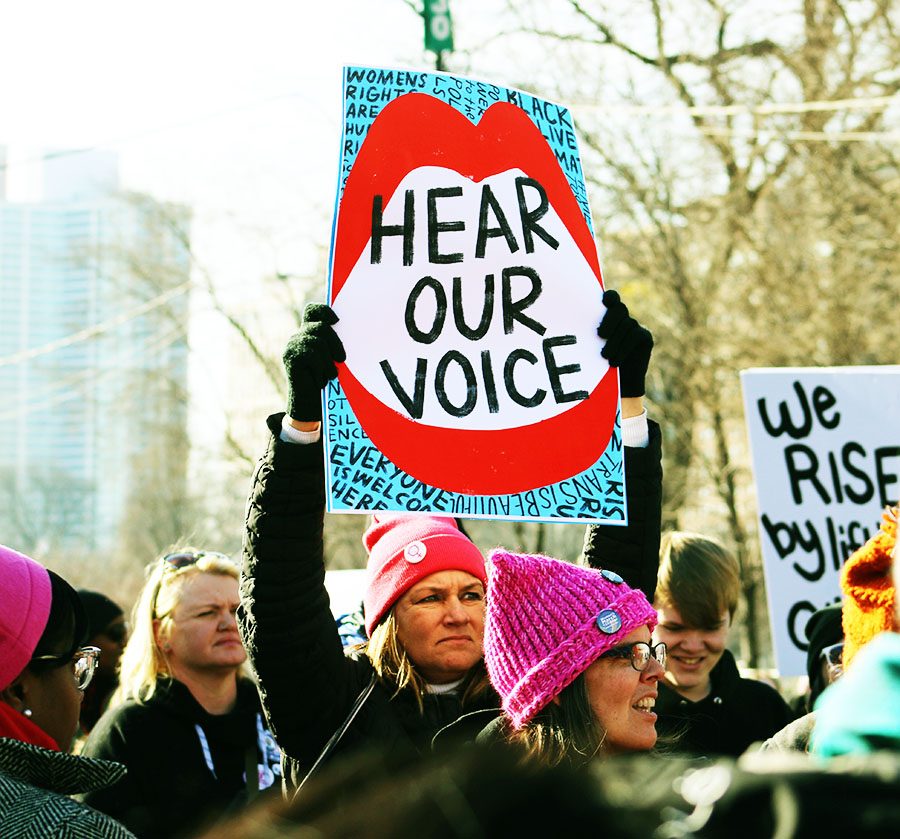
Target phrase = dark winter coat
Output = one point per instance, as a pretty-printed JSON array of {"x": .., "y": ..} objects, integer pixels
[
  {"x": 633, "y": 551},
  {"x": 793, "y": 796},
  {"x": 308, "y": 685},
  {"x": 169, "y": 789},
  {"x": 736, "y": 713},
  {"x": 34, "y": 787}
]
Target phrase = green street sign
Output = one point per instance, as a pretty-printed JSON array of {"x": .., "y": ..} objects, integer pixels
[{"x": 438, "y": 26}]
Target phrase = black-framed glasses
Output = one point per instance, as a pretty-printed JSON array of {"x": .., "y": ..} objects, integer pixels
[
  {"x": 834, "y": 654},
  {"x": 639, "y": 654},
  {"x": 84, "y": 663},
  {"x": 182, "y": 559}
]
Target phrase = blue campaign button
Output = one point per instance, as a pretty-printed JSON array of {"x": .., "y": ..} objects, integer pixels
[
  {"x": 608, "y": 621},
  {"x": 612, "y": 576}
]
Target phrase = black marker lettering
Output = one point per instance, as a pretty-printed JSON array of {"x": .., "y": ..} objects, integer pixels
[
  {"x": 440, "y": 314},
  {"x": 380, "y": 230},
  {"x": 415, "y": 405}
]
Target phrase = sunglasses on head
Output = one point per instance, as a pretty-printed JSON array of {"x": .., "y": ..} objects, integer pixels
[
  {"x": 639, "y": 654},
  {"x": 84, "y": 663},
  {"x": 182, "y": 559}
]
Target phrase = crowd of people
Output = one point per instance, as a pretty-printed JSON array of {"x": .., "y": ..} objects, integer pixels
[{"x": 489, "y": 696}]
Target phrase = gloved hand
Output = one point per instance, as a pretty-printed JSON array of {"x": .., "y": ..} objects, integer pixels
[
  {"x": 628, "y": 345},
  {"x": 309, "y": 360}
]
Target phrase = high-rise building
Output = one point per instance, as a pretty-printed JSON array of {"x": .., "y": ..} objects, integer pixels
[{"x": 93, "y": 356}]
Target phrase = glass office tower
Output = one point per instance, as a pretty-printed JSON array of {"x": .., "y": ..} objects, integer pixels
[{"x": 93, "y": 355}]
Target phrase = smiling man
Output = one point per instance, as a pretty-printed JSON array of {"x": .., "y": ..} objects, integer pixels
[{"x": 704, "y": 705}]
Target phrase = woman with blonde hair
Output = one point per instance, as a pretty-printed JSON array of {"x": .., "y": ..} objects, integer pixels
[{"x": 186, "y": 705}]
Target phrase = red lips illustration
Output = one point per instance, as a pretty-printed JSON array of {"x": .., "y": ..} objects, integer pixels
[{"x": 413, "y": 131}]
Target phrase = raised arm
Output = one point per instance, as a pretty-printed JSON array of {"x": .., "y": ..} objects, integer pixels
[
  {"x": 306, "y": 683},
  {"x": 631, "y": 551}
]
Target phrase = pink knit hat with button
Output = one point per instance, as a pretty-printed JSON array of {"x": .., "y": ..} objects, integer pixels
[
  {"x": 547, "y": 622},
  {"x": 25, "y": 596},
  {"x": 405, "y": 549}
]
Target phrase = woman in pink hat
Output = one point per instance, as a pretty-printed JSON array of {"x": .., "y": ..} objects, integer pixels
[
  {"x": 44, "y": 670},
  {"x": 422, "y": 667},
  {"x": 569, "y": 650}
]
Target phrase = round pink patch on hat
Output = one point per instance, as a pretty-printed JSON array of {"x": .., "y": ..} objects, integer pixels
[{"x": 405, "y": 549}]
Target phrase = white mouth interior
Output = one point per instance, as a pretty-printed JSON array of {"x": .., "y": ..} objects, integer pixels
[{"x": 373, "y": 302}]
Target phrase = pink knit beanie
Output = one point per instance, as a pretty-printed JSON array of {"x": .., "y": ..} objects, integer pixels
[
  {"x": 405, "y": 549},
  {"x": 547, "y": 622},
  {"x": 25, "y": 597}
]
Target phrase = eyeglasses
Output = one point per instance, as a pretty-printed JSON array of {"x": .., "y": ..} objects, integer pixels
[
  {"x": 834, "y": 655},
  {"x": 182, "y": 559},
  {"x": 639, "y": 653},
  {"x": 84, "y": 663}
]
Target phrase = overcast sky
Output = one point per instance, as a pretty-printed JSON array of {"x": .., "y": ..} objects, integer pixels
[
  {"x": 218, "y": 104},
  {"x": 231, "y": 108}
]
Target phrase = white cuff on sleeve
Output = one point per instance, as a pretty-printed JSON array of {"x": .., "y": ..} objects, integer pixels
[
  {"x": 289, "y": 434},
  {"x": 636, "y": 432}
]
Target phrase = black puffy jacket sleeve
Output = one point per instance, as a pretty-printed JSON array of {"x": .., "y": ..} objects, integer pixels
[
  {"x": 633, "y": 551},
  {"x": 306, "y": 683}
]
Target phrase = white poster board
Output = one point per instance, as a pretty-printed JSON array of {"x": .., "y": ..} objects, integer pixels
[
  {"x": 346, "y": 589},
  {"x": 465, "y": 276},
  {"x": 826, "y": 459}
]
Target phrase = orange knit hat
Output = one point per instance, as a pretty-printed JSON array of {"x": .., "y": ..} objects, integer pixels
[{"x": 868, "y": 588}]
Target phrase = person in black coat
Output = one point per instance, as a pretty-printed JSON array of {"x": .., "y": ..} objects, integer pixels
[
  {"x": 704, "y": 706},
  {"x": 108, "y": 631},
  {"x": 403, "y": 687},
  {"x": 189, "y": 726},
  {"x": 44, "y": 669}
]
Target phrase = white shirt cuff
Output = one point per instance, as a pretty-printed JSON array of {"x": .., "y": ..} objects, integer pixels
[
  {"x": 289, "y": 434},
  {"x": 636, "y": 432}
]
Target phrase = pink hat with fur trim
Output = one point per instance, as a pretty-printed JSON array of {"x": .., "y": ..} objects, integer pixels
[
  {"x": 25, "y": 597},
  {"x": 405, "y": 549},
  {"x": 547, "y": 622}
]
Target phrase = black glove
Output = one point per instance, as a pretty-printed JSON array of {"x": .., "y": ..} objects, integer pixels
[
  {"x": 309, "y": 362},
  {"x": 628, "y": 345}
]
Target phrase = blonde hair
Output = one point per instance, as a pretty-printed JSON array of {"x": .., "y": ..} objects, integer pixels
[
  {"x": 699, "y": 577},
  {"x": 143, "y": 662},
  {"x": 394, "y": 667}
]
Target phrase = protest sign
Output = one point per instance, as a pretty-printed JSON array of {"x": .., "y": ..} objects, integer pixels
[
  {"x": 467, "y": 283},
  {"x": 826, "y": 460}
]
